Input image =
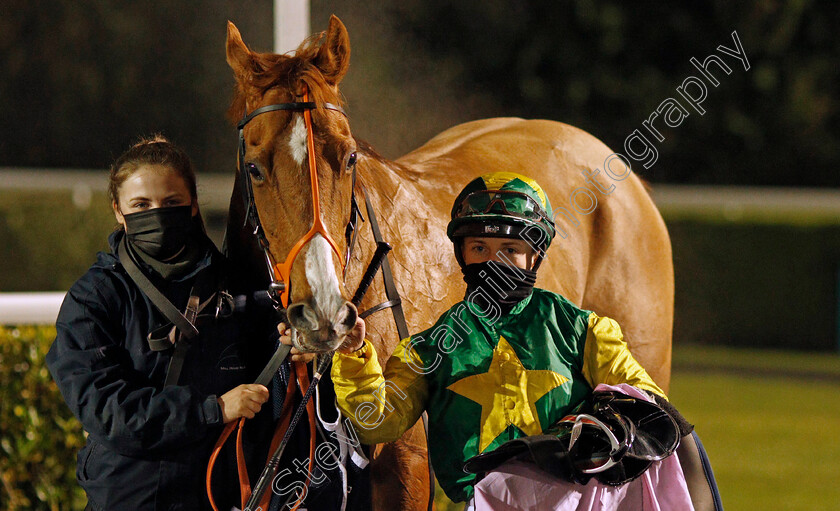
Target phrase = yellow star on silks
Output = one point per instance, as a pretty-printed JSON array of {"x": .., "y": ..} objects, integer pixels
[{"x": 507, "y": 393}]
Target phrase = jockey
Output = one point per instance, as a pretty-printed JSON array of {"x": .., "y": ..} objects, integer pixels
[{"x": 508, "y": 361}]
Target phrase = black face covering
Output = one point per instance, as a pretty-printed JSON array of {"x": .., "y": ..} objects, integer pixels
[
  {"x": 504, "y": 284},
  {"x": 160, "y": 233}
]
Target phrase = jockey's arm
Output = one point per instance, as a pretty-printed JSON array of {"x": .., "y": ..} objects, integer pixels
[
  {"x": 381, "y": 405},
  {"x": 607, "y": 359}
]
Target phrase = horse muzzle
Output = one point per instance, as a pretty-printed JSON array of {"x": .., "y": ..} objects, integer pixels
[{"x": 317, "y": 332}]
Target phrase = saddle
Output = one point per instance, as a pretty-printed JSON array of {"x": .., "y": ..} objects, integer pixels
[{"x": 610, "y": 436}]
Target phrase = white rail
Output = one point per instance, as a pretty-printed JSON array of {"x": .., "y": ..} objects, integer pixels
[
  {"x": 213, "y": 189},
  {"x": 786, "y": 204},
  {"x": 40, "y": 308},
  {"x": 214, "y": 193}
]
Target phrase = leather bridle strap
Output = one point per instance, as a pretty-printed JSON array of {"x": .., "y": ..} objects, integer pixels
[
  {"x": 391, "y": 292},
  {"x": 279, "y": 274},
  {"x": 395, "y": 303},
  {"x": 283, "y": 271},
  {"x": 351, "y": 232},
  {"x": 297, "y": 106}
]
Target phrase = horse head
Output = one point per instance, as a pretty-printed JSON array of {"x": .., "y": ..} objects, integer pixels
[{"x": 298, "y": 161}]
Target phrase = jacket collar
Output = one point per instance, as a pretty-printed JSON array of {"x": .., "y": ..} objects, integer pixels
[{"x": 489, "y": 321}]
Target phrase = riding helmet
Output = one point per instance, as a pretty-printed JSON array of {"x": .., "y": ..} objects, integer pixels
[{"x": 502, "y": 205}]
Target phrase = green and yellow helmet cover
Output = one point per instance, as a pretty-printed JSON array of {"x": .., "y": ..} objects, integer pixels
[{"x": 502, "y": 205}]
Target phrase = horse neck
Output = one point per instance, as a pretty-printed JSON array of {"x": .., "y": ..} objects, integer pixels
[
  {"x": 385, "y": 182},
  {"x": 412, "y": 214},
  {"x": 379, "y": 181}
]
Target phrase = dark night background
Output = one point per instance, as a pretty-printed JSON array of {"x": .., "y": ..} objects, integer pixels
[{"x": 81, "y": 79}]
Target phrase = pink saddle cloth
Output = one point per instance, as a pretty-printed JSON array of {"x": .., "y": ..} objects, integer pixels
[{"x": 520, "y": 485}]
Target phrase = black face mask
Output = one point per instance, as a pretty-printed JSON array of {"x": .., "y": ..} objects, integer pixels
[
  {"x": 159, "y": 233},
  {"x": 504, "y": 284}
]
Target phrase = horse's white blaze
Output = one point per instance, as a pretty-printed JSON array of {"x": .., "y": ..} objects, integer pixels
[
  {"x": 320, "y": 273},
  {"x": 297, "y": 142}
]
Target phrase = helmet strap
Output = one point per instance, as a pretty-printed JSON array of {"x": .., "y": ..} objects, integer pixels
[
  {"x": 537, "y": 262},
  {"x": 458, "y": 243}
]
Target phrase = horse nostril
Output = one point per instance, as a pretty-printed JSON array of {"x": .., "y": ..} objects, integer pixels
[
  {"x": 302, "y": 317},
  {"x": 345, "y": 318}
]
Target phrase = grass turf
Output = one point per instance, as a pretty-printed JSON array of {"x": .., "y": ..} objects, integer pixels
[{"x": 771, "y": 437}]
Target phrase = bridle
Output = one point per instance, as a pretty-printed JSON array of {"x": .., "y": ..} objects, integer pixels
[
  {"x": 279, "y": 288},
  {"x": 279, "y": 291}
]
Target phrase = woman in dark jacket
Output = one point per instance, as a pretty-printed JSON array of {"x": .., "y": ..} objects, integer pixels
[{"x": 152, "y": 416}]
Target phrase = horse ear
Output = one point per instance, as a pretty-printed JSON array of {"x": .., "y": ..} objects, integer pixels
[
  {"x": 239, "y": 57},
  {"x": 333, "y": 57}
]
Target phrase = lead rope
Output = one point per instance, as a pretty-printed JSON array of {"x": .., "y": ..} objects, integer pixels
[
  {"x": 377, "y": 260},
  {"x": 283, "y": 424},
  {"x": 265, "y": 477}
]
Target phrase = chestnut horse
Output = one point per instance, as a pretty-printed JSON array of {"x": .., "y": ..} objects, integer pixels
[{"x": 612, "y": 253}]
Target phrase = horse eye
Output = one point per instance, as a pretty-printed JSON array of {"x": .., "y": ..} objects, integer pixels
[
  {"x": 254, "y": 171},
  {"x": 351, "y": 160}
]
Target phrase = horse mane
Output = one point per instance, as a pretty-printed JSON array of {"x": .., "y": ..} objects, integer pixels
[
  {"x": 288, "y": 71},
  {"x": 400, "y": 170},
  {"x": 365, "y": 148}
]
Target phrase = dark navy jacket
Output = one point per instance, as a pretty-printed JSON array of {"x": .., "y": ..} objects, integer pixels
[{"x": 148, "y": 446}]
